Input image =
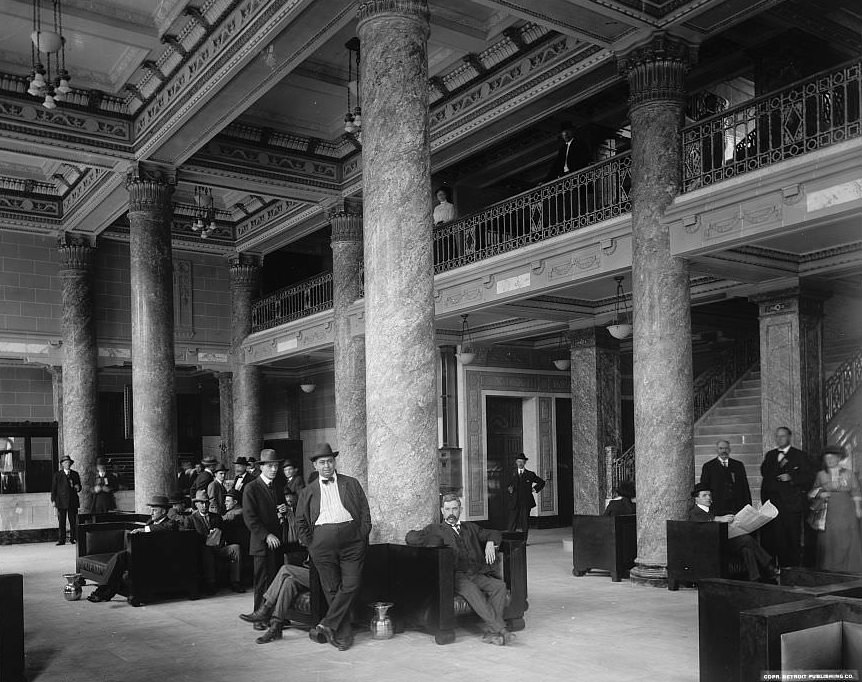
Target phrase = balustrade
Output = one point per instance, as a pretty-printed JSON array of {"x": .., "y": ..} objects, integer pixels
[
  {"x": 291, "y": 303},
  {"x": 841, "y": 386},
  {"x": 812, "y": 113},
  {"x": 582, "y": 198}
]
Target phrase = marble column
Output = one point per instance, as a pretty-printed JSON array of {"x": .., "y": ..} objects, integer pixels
[
  {"x": 80, "y": 395},
  {"x": 791, "y": 368},
  {"x": 349, "y": 359},
  {"x": 663, "y": 400},
  {"x": 154, "y": 409},
  {"x": 56, "y": 373},
  {"x": 225, "y": 409},
  {"x": 399, "y": 307},
  {"x": 247, "y": 379},
  {"x": 596, "y": 414}
]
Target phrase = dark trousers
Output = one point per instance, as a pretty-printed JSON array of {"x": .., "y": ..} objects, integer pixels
[
  {"x": 229, "y": 553},
  {"x": 782, "y": 538},
  {"x": 338, "y": 552},
  {"x": 519, "y": 519},
  {"x": 114, "y": 571},
  {"x": 265, "y": 568},
  {"x": 486, "y": 595},
  {"x": 755, "y": 558},
  {"x": 73, "y": 524}
]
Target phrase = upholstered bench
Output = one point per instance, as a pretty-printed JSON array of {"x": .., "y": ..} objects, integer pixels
[{"x": 607, "y": 543}]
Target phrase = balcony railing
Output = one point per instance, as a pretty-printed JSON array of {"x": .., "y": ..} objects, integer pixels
[
  {"x": 583, "y": 198},
  {"x": 293, "y": 302},
  {"x": 843, "y": 383},
  {"x": 813, "y": 113}
]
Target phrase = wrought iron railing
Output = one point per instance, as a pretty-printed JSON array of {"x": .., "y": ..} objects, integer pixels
[
  {"x": 583, "y": 198},
  {"x": 843, "y": 383},
  {"x": 709, "y": 386},
  {"x": 812, "y": 113},
  {"x": 298, "y": 300}
]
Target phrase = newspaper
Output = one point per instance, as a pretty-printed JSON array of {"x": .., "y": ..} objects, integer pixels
[{"x": 748, "y": 519}]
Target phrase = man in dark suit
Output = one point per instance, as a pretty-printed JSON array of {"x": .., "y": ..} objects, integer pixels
[
  {"x": 294, "y": 484},
  {"x": 65, "y": 487},
  {"x": 158, "y": 523},
  {"x": 758, "y": 563},
  {"x": 334, "y": 521},
  {"x": 205, "y": 477},
  {"x": 209, "y": 526},
  {"x": 787, "y": 478},
  {"x": 475, "y": 556},
  {"x": 240, "y": 475},
  {"x": 264, "y": 509},
  {"x": 521, "y": 487},
  {"x": 727, "y": 480},
  {"x": 571, "y": 155}
]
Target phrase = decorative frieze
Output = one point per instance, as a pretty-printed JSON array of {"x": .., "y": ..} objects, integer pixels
[{"x": 657, "y": 70}]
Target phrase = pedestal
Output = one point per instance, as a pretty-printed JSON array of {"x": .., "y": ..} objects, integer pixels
[{"x": 399, "y": 307}]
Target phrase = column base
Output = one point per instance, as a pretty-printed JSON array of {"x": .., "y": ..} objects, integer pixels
[{"x": 650, "y": 575}]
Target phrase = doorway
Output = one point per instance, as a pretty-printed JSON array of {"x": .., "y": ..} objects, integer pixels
[{"x": 505, "y": 437}]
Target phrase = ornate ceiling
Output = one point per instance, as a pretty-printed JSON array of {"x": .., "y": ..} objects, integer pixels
[{"x": 248, "y": 97}]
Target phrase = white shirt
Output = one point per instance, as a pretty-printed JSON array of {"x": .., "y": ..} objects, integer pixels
[
  {"x": 331, "y": 509},
  {"x": 706, "y": 509},
  {"x": 444, "y": 212},
  {"x": 566, "y": 162},
  {"x": 782, "y": 453}
]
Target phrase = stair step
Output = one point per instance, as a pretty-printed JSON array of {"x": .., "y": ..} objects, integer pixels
[
  {"x": 729, "y": 429},
  {"x": 732, "y": 419},
  {"x": 735, "y": 449},
  {"x": 732, "y": 438},
  {"x": 747, "y": 392},
  {"x": 746, "y": 401},
  {"x": 737, "y": 410}
]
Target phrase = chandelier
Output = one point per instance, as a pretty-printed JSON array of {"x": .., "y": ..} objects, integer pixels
[
  {"x": 620, "y": 327},
  {"x": 204, "y": 221},
  {"x": 49, "y": 78},
  {"x": 353, "y": 117}
]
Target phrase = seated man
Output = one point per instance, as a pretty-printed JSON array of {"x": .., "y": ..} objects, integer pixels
[
  {"x": 209, "y": 525},
  {"x": 118, "y": 564},
  {"x": 758, "y": 564},
  {"x": 178, "y": 512},
  {"x": 289, "y": 582},
  {"x": 475, "y": 556}
]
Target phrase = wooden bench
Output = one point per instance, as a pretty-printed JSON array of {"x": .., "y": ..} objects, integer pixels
[
  {"x": 12, "y": 628},
  {"x": 607, "y": 543},
  {"x": 698, "y": 550}
]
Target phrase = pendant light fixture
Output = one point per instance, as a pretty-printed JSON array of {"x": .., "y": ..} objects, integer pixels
[
  {"x": 621, "y": 327},
  {"x": 468, "y": 353}
]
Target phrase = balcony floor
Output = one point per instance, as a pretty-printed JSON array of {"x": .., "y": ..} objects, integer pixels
[{"x": 577, "y": 629}]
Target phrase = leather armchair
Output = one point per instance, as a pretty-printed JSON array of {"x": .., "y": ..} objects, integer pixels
[{"x": 607, "y": 543}]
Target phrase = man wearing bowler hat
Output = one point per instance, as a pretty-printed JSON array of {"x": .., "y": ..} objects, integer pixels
[
  {"x": 334, "y": 522},
  {"x": 65, "y": 487},
  {"x": 264, "y": 511},
  {"x": 240, "y": 475},
  {"x": 521, "y": 488}
]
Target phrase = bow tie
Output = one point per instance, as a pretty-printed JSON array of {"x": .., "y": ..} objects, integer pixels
[
  {"x": 326, "y": 481},
  {"x": 456, "y": 527}
]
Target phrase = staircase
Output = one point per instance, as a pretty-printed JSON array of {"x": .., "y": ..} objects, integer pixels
[
  {"x": 845, "y": 426},
  {"x": 736, "y": 419}
]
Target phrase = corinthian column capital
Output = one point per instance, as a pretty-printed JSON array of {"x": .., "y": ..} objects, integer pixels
[{"x": 150, "y": 188}]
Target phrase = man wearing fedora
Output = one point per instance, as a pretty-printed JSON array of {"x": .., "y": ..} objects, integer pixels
[
  {"x": 264, "y": 511},
  {"x": 216, "y": 490},
  {"x": 209, "y": 526},
  {"x": 520, "y": 489},
  {"x": 205, "y": 477},
  {"x": 103, "y": 489},
  {"x": 240, "y": 476},
  {"x": 158, "y": 523},
  {"x": 65, "y": 487},
  {"x": 178, "y": 513},
  {"x": 334, "y": 522}
]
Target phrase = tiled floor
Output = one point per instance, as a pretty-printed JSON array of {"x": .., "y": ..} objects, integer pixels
[{"x": 585, "y": 629}]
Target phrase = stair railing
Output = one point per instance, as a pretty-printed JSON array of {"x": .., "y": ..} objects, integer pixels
[
  {"x": 843, "y": 383},
  {"x": 709, "y": 387}
]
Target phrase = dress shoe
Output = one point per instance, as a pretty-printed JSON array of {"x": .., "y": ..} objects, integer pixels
[
  {"x": 272, "y": 634},
  {"x": 260, "y": 615},
  {"x": 508, "y": 637},
  {"x": 60, "y": 543},
  {"x": 321, "y": 634},
  {"x": 260, "y": 627},
  {"x": 236, "y": 587},
  {"x": 493, "y": 638},
  {"x": 72, "y": 541}
]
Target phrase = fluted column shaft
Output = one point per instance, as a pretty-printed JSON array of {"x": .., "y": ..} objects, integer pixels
[
  {"x": 349, "y": 349},
  {"x": 247, "y": 379},
  {"x": 664, "y": 452},
  {"x": 596, "y": 414},
  {"x": 80, "y": 397},
  {"x": 154, "y": 410},
  {"x": 399, "y": 307}
]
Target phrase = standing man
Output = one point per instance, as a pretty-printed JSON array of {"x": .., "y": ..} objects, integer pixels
[
  {"x": 521, "y": 488},
  {"x": 103, "y": 490},
  {"x": 787, "y": 478},
  {"x": 571, "y": 155},
  {"x": 264, "y": 510},
  {"x": 295, "y": 484},
  {"x": 240, "y": 475},
  {"x": 727, "y": 480},
  {"x": 334, "y": 522},
  {"x": 65, "y": 487},
  {"x": 216, "y": 490},
  {"x": 205, "y": 477}
]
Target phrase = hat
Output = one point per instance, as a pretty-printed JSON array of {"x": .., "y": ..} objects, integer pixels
[
  {"x": 834, "y": 450},
  {"x": 521, "y": 455},
  {"x": 220, "y": 467},
  {"x": 251, "y": 460},
  {"x": 241, "y": 460},
  {"x": 201, "y": 496},
  {"x": 209, "y": 459},
  {"x": 699, "y": 488},
  {"x": 177, "y": 497},
  {"x": 323, "y": 450},
  {"x": 66, "y": 458},
  {"x": 159, "y": 501},
  {"x": 269, "y": 455},
  {"x": 235, "y": 494}
]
